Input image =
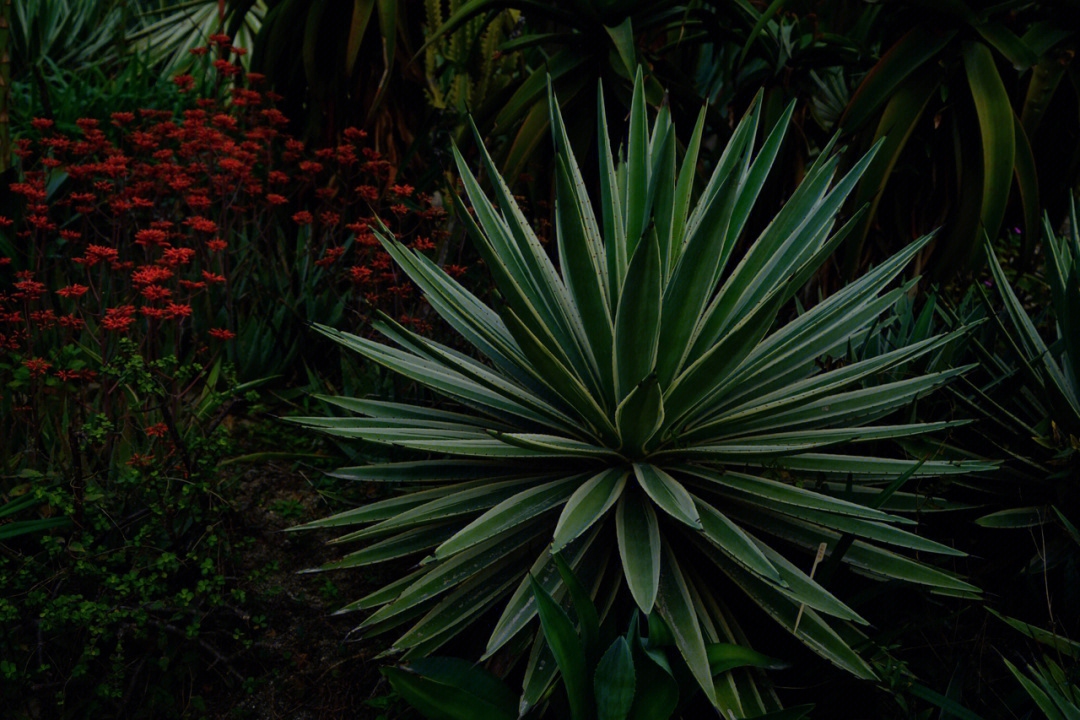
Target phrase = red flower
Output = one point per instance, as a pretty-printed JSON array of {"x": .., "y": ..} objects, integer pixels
[
  {"x": 140, "y": 461},
  {"x": 275, "y": 199},
  {"x": 151, "y": 237},
  {"x": 151, "y": 274},
  {"x": 155, "y": 292},
  {"x": 222, "y": 334},
  {"x": 156, "y": 430},
  {"x": 118, "y": 319},
  {"x": 36, "y": 366},
  {"x": 178, "y": 310},
  {"x": 177, "y": 256},
  {"x": 303, "y": 217},
  {"x": 73, "y": 290},
  {"x": 201, "y": 224}
]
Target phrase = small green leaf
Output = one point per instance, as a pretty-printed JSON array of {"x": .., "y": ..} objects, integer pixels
[
  {"x": 614, "y": 682},
  {"x": 568, "y": 651},
  {"x": 724, "y": 657}
]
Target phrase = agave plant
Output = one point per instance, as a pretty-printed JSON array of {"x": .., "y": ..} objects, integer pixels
[{"x": 641, "y": 406}]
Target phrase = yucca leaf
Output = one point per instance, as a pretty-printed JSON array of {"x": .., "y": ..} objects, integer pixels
[
  {"x": 581, "y": 263},
  {"x": 675, "y": 606},
  {"x": 724, "y": 657},
  {"x": 521, "y": 608},
  {"x": 640, "y": 415},
  {"x": 668, "y": 493},
  {"x": 812, "y": 630},
  {"x": 508, "y": 514},
  {"x": 636, "y": 201},
  {"x": 639, "y": 547},
  {"x": 470, "y": 599},
  {"x": 637, "y": 321},
  {"x": 730, "y": 538},
  {"x": 446, "y": 574},
  {"x": 588, "y": 504},
  {"x": 681, "y": 201},
  {"x": 407, "y": 543},
  {"x": 611, "y": 206}
]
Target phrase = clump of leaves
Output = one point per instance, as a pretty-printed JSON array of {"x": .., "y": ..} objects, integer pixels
[
  {"x": 637, "y": 401},
  {"x": 1032, "y": 401},
  {"x": 634, "y": 676}
]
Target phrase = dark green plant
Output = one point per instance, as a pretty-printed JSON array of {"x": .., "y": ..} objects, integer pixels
[
  {"x": 1052, "y": 680},
  {"x": 578, "y": 44},
  {"x": 634, "y": 402},
  {"x": 115, "y": 576},
  {"x": 465, "y": 69},
  {"x": 49, "y": 35},
  {"x": 970, "y": 101},
  {"x": 1032, "y": 401},
  {"x": 167, "y": 31},
  {"x": 630, "y": 677},
  {"x": 5, "y": 86},
  {"x": 339, "y": 64}
]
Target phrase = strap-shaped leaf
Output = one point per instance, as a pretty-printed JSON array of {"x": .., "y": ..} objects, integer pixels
[
  {"x": 814, "y": 632},
  {"x": 640, "y": 415},
  {"x": 614, "y": 682},
  {"x": 771, "y": 491},
  {"x": 996, "y": 127},
  {"x": 611, "y": 207},
  {"x": 637, "y": 321},
  {"x": 639, "y": 547},
  {"x": 636, "y": 201},
  {"x": 730, "y": 538},
  {"x": 521, "y": 608},
  {"x": 407, "y": 543},
  {"x": 446, "y": 575},
  {"x": 470, "y": 599},
  {"x": 668, "y": 493},
  {"x": 568, "y": 651},
  {"x": 508, "y": 514},
  {"x": 863, "y": 555},
  {"x": 675, "y": 606},
  {"x": 588, "y": 504}
]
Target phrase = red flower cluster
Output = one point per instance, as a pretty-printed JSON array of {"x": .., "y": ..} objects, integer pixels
[{"x": 162, "y": 216}]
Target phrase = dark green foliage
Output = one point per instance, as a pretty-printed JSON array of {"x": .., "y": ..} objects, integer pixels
[
  {"x": 118, "y": 578},
  {"x": 634, "y": 676}
]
